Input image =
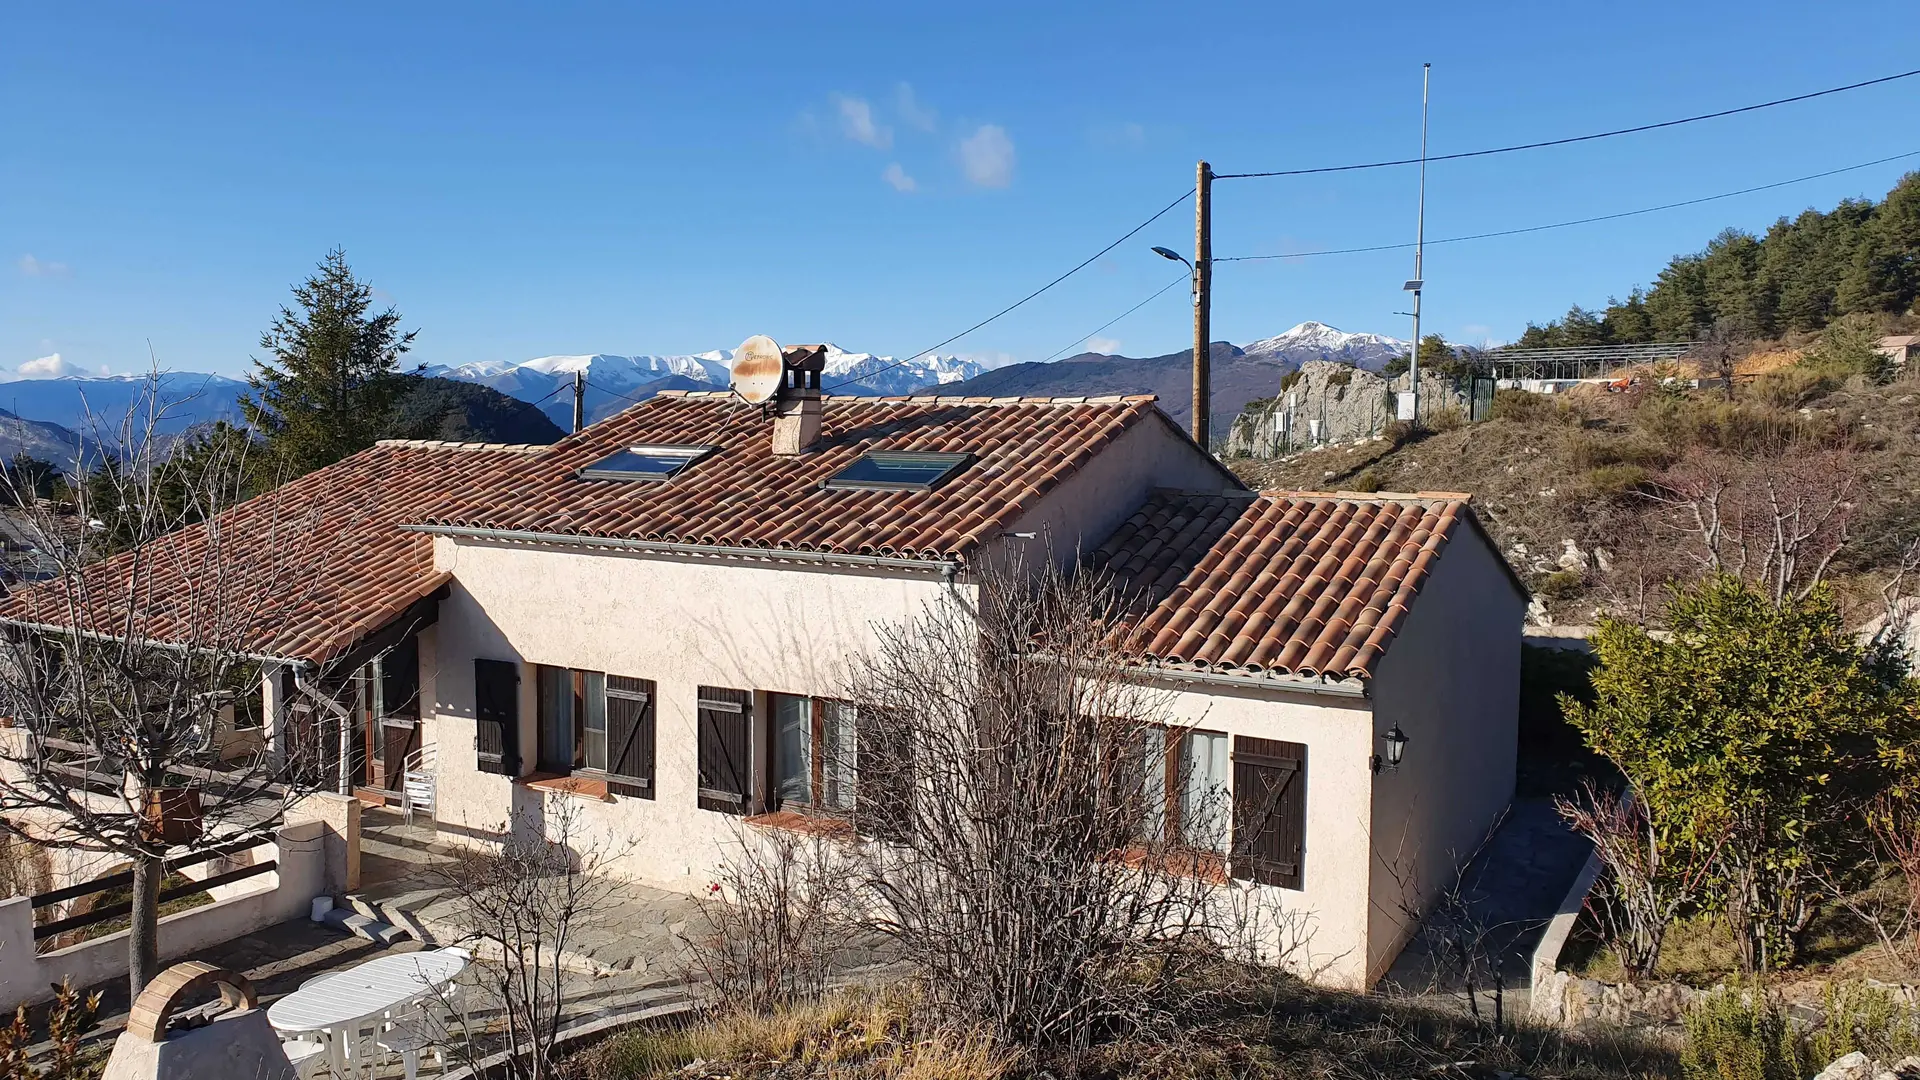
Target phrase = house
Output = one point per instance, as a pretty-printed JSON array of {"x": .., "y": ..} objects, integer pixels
[
  {"x": 1899, "y": 349},
  {"x": 653, "y": 615}
]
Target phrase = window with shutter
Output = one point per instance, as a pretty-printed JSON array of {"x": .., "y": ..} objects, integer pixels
[
  {"x": 1269, "y": 811},
  {"x": 630, "y": 735},
  {"x": 725, "y": 752},
  {"x": 496, "y": 714}
]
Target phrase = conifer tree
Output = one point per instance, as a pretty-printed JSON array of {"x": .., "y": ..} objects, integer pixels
[{"x": 334, "y": 374}]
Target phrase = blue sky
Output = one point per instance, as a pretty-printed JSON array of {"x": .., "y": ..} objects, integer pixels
[{"x": 555, "y": 178}]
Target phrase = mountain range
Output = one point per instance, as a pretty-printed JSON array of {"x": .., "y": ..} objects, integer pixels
[{"x": 56, "y": 408}]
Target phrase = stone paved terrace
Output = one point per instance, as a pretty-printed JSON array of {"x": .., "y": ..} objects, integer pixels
[
  {"x": 1510, "y": 892},
  {"x": 630, "y": 960}
]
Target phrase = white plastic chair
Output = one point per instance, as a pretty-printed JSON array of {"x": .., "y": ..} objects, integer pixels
[
  {"x": 412, "y": 1034},
  {"x": 308, "y": 1055},
  {"x": 417, "y": 782}
]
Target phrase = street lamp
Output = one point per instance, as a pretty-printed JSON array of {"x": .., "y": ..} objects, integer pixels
[{"x": 1169, "y": 253}]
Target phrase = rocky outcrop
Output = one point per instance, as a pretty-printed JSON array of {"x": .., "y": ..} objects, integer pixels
[{"x": 1331, "y": 402}]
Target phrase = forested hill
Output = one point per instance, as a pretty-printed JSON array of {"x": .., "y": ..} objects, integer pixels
[{"x": 1861, "y": 256}]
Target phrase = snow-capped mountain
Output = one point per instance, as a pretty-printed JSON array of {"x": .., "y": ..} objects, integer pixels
[
  {"x": 1318, "y": 341},
  {"x": 614, "y": 382}
]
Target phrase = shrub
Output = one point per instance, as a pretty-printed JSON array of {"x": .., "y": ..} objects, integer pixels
[
  {"x": 1341, "y": 377},
  {"x": 1445, "y": 418},
  {"x": 1561, "y": 585},
  {"x": 1291, "y": 379},
  {"x": 1738, "y": 1034},
  {"x": 1864, "y": 1018},
  {"x": 1615, "y": 481},
  {"x": 1847, "y": 348},
  {"x": 1792, "y": 387},
  {"x": 1401, "y": 432},
  {"x": 1368, "y": 481},
  {"x": 1524, "y": 407}
]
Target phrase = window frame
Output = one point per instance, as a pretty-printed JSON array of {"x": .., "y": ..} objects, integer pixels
[
  {"x": 953, "y": 462},
  {"x": 820, "y": 769},
  {"x": 1173, "y": 787},
  {"x": 691, "y": 454}
]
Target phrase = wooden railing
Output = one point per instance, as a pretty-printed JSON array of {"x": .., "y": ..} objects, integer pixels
[{"x": 125, "y": 878}]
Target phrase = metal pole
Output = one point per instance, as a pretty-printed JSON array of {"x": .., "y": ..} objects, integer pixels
[
  {"x": 1419, "y": 243},
  {"x": 579, "y": 400},
  {"x": 1202, "y": 303}
]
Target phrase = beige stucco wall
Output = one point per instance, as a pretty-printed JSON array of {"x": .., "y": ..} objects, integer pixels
[
  {"x": 1451, "y": 681},
  {"x": 1085, "y": 509},
  {"x": 683, "y": 623},
  {"x": 1332, "y": 906}
]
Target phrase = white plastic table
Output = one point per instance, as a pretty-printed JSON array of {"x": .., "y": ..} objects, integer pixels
[{"x": 342, "y": 1003}]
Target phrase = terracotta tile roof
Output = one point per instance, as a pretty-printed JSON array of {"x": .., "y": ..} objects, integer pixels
[
  {"x": 299, "y": 573},
  {"x": 746, "y": 496},
  {"x": 332, "y": 552},
  {"x": 1306, "y": 584}
]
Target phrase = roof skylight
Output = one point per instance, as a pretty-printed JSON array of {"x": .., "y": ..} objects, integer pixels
[
  {"x": 898, "y": 470},
  {"x": 645, "y": 463}
]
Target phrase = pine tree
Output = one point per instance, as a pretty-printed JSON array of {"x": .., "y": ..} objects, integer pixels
[{"x": 335, "y": 371}]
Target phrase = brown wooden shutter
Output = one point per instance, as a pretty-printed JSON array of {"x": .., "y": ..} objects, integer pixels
[
  {"x": 1269, "y": 811},
  {"x": 630, "y": 735},
  {"x": 883, "y": 781},
  {"x": 726, "y": 762},
  {"x": 496, "y": 714}
]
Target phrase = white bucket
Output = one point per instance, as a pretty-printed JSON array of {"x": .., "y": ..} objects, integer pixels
[{"x": 321, "y": 905}]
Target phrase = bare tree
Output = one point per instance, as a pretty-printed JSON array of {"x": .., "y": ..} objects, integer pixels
[
  {"x": 1777, "y": 521},
  {"x": 1032, "y": 855},
  {"x": 121, "y": 668},
  {"x": 776, "y": 921},
  {"x": 527, "y": 903}
]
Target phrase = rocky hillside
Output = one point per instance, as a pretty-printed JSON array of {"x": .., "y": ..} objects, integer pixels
[
  {"x": 1592, "y": 495},
  {"x": 1329, "y": 401}
]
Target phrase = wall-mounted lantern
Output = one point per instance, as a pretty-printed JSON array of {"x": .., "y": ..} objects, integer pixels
[{"x": 1396, "y": 741}]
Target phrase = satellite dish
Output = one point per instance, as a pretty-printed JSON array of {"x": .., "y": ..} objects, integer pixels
[{"x": 758, "y": 369}]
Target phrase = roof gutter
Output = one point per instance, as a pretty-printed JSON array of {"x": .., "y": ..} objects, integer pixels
[
  {"x": 947, "y": 568},
  {"x": 171, "y": 646},
  {"x": 1354, "y": 689}
]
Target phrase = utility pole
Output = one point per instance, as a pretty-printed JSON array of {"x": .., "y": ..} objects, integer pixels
[
  {"x": 1202, "y": 304},
  {"x": 1419, "y": 244},
  {"x": 580, "y": 400}
]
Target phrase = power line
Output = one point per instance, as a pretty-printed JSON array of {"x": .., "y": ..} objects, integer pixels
[
  {"x": 1117, "y": 318},
  {"x": 1184, "y": 196},
  {"x": 1575, "y": 138},
  {"x": 1579, "y": 221}
]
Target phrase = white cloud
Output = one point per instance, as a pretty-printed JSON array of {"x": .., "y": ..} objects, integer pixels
[
  {"x": 33, "y": 267},
  {"x": 1104, "y": 345},
  {"x": 990, "y": 359},
  {"x": 986, "y": 156},
  {"x": 912, "y": 113},
  {"x": 46, "y": 367},
  {"x": 898, "y": 177},
  {"x": 857, "y": 122}
]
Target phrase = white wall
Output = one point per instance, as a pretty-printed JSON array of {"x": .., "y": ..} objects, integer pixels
[
  {"x": 1334, "y": 876},
  {"x": 255, "y": 904},
  {"x": 1451, "y": 681},
  {"x": 683, "y": 623}
]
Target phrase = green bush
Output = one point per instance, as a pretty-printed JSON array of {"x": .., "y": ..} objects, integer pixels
[
  {"x": 1368, "y": 481},
  {"x": 1740, "y": 1035},
  {"x": 1524, "y": 407},
  {"x": 1616, "y": 481},
  {"x": 1793, "y": 387},
  {"x": 1561, "y": 585},
  {"x": 1291, "y": 379},
  {"x": 1864, "y": 1018},
  {"x": 1848, "y": 348},
  {"x": 1445, "y": 418}
]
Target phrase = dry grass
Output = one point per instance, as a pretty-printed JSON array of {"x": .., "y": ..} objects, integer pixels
[{"x": 1271, "y": 1031}]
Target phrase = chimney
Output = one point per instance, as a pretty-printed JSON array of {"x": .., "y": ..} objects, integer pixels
[{"x": 796, "y": 410}]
